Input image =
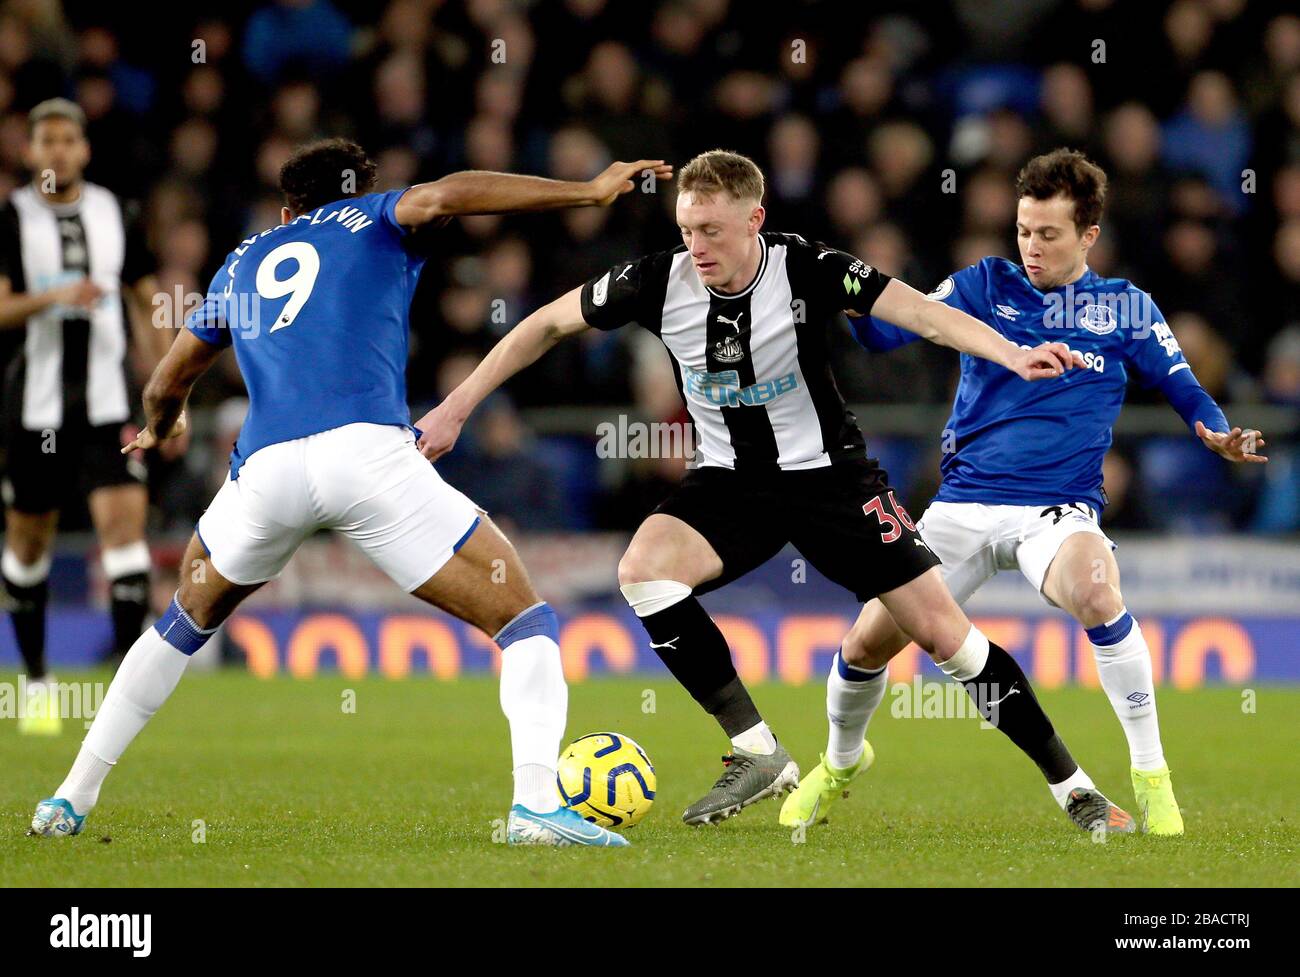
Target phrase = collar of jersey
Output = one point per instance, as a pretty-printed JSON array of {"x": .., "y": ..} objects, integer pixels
[
  {"x": 59, "y": 210},
  {"x": 758, "y": 276}
]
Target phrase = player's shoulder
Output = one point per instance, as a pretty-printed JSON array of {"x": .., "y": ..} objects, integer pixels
[
  {"x": 635, "y": 274},
  {"x": 1120, "y": 286},
  {"x": 973, "y": 279},
  {"x": 816, "y": 258},
  {"x": 995, "y": 268},
  {"x": 653, "y": 264},
  {"x": 93, "y": 194},
  {"x": 1135, "y": 304},
  {"x": 798, "y": 247},
  {"x": 775, "y": 239}
]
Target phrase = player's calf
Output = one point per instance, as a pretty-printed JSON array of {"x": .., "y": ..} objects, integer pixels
[
  {"x": 485, "y": 584},
  {"x": 148, "y": 675}
]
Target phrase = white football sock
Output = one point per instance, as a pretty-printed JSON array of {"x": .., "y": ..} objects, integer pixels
[
  {"x": 852, "y": 696},
  {"x": 1077, "y": 780},
  {"x": 1124, "y": 669},
  {"x": 148, "y": 675},
  {"x": 535, "y": 699},
  {"x": 757, "y": 739}
]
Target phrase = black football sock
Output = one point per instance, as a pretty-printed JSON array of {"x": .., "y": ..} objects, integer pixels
[
  {"x": 1004, "y": 697},
  {"x": 129, "y": 598},
  {"x": 690, "y": 644},
  {"x": 27, "y": 611}
]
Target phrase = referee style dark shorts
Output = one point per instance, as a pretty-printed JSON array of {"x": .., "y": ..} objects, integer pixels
[
  {"x": 844, "y": 519},
  {"x": 42, "y": 468}
]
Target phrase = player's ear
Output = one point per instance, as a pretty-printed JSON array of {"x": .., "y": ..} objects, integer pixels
[
  {"x": 756, "y": 218},
  {"x": 285, "y": 216},
  {"x": 1090, "y": 236}
]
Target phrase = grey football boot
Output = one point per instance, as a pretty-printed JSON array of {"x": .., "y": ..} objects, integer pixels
[
  {"x": 1092, "y": 811},
  {"x": 748, "y": 778}
]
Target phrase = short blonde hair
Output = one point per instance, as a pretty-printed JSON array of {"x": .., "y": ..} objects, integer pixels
[{"x": 725, "y": 171}]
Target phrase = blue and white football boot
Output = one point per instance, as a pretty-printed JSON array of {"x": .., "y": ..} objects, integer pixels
[
  {"x": 561, "y": 827},
  {"x": 55, "y": 818}
]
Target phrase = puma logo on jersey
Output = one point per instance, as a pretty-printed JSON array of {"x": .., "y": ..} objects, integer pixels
[
  {"x": 623, "y": 274},
  {"x": 729, "y": 350}
]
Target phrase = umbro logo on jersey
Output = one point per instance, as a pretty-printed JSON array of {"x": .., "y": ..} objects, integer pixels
[{"x": 1007, "y": 312}]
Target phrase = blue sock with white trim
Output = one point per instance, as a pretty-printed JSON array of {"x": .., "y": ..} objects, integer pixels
[
  {"x": 1124, "y": 670},
  {"x": 852, "y": 696},
  {"x": 535, "y": 699},
  {"x": 178, "y": 629}
]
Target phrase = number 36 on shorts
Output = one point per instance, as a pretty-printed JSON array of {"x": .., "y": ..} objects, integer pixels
[{"x": 894, "y": 522}]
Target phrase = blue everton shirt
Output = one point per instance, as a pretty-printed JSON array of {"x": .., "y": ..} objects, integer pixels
[
  {"x": 1013, "y": 442},
  {"x": 318, "y": 313}
]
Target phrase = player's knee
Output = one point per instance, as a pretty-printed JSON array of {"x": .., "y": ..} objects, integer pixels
[
  {"x": 864, "y": 649},
  {"x": 639, "y": 565},
  {"x": 1096, "y": 603},
  {"x": 28, "y": 551}
]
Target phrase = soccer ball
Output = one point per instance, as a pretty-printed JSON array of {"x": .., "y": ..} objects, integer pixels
[{"x": 607, "y": 779}]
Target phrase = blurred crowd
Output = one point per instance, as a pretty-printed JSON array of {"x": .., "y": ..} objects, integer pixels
[{"x": 889, "y": 132}]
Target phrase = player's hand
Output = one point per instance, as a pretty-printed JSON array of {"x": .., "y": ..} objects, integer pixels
[
  {"x": 438, "y": 432},
  {"x": 175, "y": 446},
  {"x": 81, "y": 294},
  {"x": 617, "y": 179},
  {"x": 1235, "y": 445},
  {"x": 147, "y": 439},
  {"x": 1044, "y": 362}
]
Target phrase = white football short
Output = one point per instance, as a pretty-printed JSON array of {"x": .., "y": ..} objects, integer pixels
[
  {"x": 366, "y": 481},
  {"x": 975, "y": 541}
]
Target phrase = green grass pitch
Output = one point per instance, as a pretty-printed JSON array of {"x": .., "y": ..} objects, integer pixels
[{"x": 292, "y": 790}]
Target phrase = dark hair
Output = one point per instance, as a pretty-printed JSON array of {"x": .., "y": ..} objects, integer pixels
[
  {"x": 1070, "y": 172},
  {"x": 325, "y": 170}
]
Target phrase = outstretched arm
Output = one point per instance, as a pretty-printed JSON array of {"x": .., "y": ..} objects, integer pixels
[
  {"x": 484, "y": 192},
  {"x": 169, "y": 388},
  {"x": 17, "y": 307},
  {"x": 523, "y": 346},
  {"x": 939, "y": 323}
]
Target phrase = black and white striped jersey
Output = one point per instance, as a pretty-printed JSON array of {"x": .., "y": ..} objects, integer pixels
[
  {"x": 71, "y": 365},
  {"x": 753, "y": 367}
]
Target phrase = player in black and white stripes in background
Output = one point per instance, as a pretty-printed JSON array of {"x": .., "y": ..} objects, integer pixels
[
  {"x": 68, "y": 259},
  {"x": 745, "y": 315}
]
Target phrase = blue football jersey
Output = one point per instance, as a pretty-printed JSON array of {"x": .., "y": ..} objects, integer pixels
[
  {"x": 1014, "y": 442},
  {"x": 318, "y": 313}
]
